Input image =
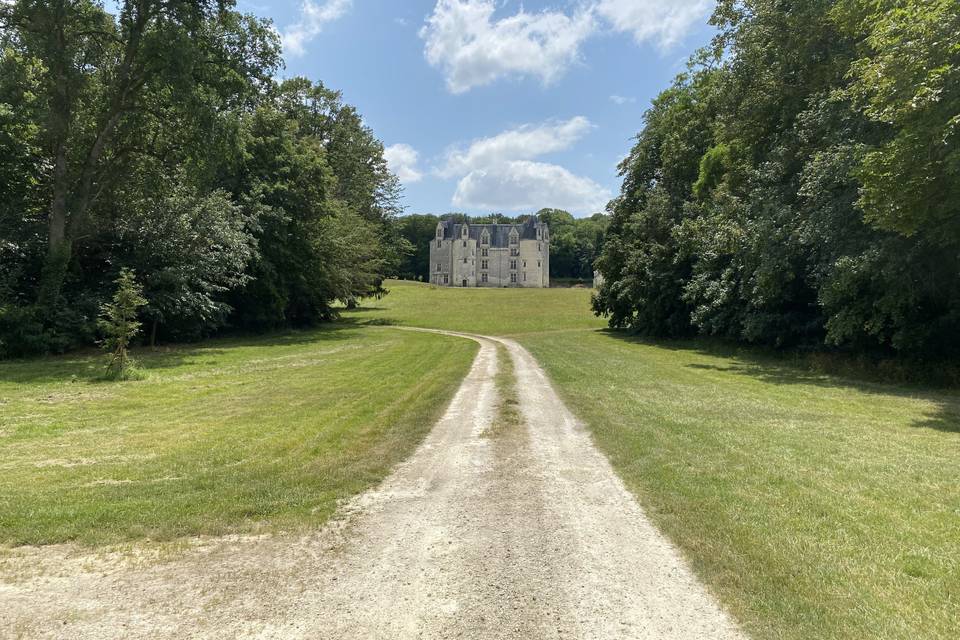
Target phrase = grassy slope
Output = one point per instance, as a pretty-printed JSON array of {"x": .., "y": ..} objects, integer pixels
[
  {"x": 814, "y": 506},
  {"x": 484, "y": 311},
  {"x": 234, "y": 435}
]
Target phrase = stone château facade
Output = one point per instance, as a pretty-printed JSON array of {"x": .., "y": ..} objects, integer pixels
[{"x": 491, "y": 255}]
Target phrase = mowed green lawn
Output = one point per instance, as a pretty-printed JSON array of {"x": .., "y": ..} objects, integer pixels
[
  {"x": 813, "y": 506},
  {"x": 233, "y": 435},
  {"x": 483, "y": 311}
]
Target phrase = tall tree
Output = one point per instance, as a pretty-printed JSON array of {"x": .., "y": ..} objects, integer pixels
[
  {"x": 99, "y": 75},
  {"x": 799, "y": 185}
]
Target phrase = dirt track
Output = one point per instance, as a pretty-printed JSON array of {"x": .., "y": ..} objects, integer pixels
[{"x": 482, "y": 533}]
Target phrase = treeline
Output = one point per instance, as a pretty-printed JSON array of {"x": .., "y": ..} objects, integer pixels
[
  {"x": 800, "y": 184},
  {"x": 575, "y": 243},
  {"x": 158, "y": 140}
]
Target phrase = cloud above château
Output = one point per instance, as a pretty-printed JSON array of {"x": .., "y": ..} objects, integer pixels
[
  {"x": 473, "y": 48},
  {"x": 522, "y": 185},
  {"x": 525, "y": 142},
  {"x": 499, "y": 172}
]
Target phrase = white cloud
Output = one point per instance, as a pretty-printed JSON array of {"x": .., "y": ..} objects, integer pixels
[
  {"x": 662, "y": 22},
  {"x": 474, "y": 49},
  {"x": 621, "y": 100},
  {"x": 314, "y": 16},
  {"x": 402, "y": 159},
  {"x": 498, "y": 172},
  {"x": 523, "y": 143},
  {"x": 525, "y": 185}
]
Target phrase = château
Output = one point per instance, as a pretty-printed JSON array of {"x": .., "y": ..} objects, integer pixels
[{"x": 491, "y": 255}]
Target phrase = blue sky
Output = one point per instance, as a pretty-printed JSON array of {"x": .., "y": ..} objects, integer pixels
[{"x": 495, "y": 105}]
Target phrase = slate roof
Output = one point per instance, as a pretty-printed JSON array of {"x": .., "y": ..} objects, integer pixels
[{"x": 499, "y": 233}]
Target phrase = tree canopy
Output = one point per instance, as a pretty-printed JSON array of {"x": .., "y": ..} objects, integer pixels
[
  {"x": 157, "y": 139},
  {"x": 798, "y": 184}
]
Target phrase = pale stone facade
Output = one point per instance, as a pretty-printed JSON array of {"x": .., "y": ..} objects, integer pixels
[{"x": 491, "y": 255}]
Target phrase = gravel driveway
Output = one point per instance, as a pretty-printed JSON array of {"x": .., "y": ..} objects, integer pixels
[{"x": 523, "y": 532}]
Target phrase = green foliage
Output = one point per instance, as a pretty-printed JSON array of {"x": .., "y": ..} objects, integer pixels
[
  {"x": 193, "y": 248},
  {"x": 418, "y": 230},
  {"x": 119, "y": 324},
  {"x": 798, "y": 186},
  {"x": 575, "y": 243},
  {"x": 713, "y": 167},
  {"x": 907, "y": 80},
  {"x": 158, "y": 138},
  {"x": 318, "y": 241}
]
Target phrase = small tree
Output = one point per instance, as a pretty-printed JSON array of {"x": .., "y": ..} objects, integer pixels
[{"x": 119, "y": 323}]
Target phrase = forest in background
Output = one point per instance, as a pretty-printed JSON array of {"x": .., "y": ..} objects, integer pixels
[
  {"x": 799, "y": 184},
  {"x": 159, "y": 140}
]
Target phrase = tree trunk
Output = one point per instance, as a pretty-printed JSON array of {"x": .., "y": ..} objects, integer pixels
[
  {"x": 58, "y": 252},
  {"x": 58, "y": 207}
]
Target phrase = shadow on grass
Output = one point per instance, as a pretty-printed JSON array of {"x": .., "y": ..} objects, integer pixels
[
  {"x": 799, "y": 369},
  {"x": 88, "y": 365}
]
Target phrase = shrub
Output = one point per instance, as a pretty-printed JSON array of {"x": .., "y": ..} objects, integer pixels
[{"x": 119, "y": 323}]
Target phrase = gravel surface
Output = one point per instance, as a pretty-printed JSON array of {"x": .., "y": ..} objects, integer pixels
[{"x": 522, "y": 532}]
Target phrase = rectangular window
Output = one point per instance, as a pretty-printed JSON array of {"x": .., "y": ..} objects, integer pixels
[
  {"x": 524, "y": 264},
  {"x": 513, "y": 277},
  {"x": 514, "y": 252},
  {"x": 539, "y": 246},
  {"x": 484, "y": 252},
  {"x": 483, "y": 277},
  {"x": 513, "y": 264},
  {"x": 438, "y": 266},
  {"x": 464, "y": 243},
  {"x": 538, "y": 264},
  {"x": 524, "y": 276},
  {"x": 464, "y": 261},
  {"x": 483, "y": 264},
  {"x": 446, "y": 279},
  {"x": 438, "y": 243}
]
